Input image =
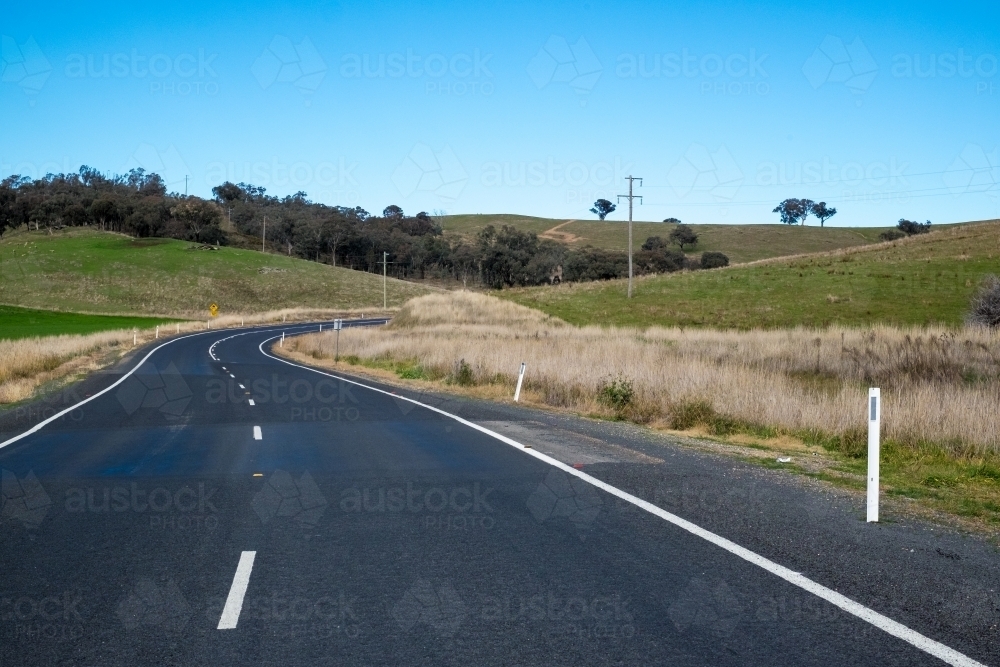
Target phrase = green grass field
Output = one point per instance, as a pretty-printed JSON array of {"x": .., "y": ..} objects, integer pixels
[
  {"x": 741, "y": 243},
  {"x": 25, "y": 323},
  {"x": 104, "y": 273},
  {"x": 920, "y": 280}
]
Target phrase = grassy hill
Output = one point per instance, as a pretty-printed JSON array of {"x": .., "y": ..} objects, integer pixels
[
  {"x": 919, "y": 280},
  {"x": 84, "y": 270},
  {"x": 741, "y": 243}
]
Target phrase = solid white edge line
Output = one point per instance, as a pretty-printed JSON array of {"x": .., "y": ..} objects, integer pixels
[
  {"x": 234, "y": 603},
  {"x": 257, "y": 435},
  {"x": 884, "y": 623},
  {"x": 45, "y": 422}
]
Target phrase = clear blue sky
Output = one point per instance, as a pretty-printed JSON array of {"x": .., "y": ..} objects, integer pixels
[{"x": 884, "y": 110}]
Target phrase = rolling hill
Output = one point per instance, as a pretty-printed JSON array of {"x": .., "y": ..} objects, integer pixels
[
  {"x": 919, "y": 280},
  {"x": 84, "y": 270},
  {"x": 741, "y": 243}
]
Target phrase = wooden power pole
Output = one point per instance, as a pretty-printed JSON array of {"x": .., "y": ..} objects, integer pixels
[{"x": 630, "y": 197}]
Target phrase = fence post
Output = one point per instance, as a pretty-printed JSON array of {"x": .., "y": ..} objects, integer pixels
[
  {"x": 874, "y": 426},
  {"x": 520, "y": 379}
]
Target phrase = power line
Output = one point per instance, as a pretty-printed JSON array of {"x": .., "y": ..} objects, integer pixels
[{"x": 630, "y": 198}]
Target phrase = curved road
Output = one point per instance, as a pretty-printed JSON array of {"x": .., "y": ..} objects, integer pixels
[{"x": 222, "y": 506}]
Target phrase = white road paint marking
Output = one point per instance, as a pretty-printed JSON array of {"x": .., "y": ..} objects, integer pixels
[
  {"x": 884, "y": 623},
  {"x": 251, "y": 402},
  {"x": 242, "y": 387},
  {"x": 65, "y": 411},
  {"x": 234, "y": 603},
  {"x": 257, "y": 435},
  {"x": 232, "y": 376}
]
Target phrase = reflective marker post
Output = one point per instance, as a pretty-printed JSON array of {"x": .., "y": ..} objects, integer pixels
[
  {"x": 874, "y": 424},
  {"x": 520, "y": 379},
  {"x": 337, "y": 326}
]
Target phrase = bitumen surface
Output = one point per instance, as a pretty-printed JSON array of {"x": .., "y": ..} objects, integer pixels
[{"x": 220, "y": 506}]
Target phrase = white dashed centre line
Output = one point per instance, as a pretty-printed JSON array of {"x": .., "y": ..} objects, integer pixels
[
  {"x": 257, "y": 435},
  {"x": 251, "y": 402},
  {"x": 234, "y": 603},
  {"x": 232, "y": 376},
  {"x": 242, "y": 387}
]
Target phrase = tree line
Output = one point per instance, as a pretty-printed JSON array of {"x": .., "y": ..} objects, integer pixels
[{"x": 138, "y": 204}]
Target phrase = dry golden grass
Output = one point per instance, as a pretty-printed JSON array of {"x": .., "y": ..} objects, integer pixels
[
  {"x": 939, "y": 385},
  {"x": 28, "y": 363},
  {"x": 291, "y": 315}
]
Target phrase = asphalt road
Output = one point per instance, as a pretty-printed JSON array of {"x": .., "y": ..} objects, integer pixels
[{"x": 220, "y": 506}]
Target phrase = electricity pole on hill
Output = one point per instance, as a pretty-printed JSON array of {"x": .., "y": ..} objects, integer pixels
[
  {"x": 385, "y": 262},
  {"x": 630, "y": 197}
]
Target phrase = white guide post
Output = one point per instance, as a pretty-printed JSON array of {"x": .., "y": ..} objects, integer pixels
[
  {"x": 337, "y": 325},
  {"x": 874, "y": 424},
  {"x": 157, "y": 331},
  {"x": 520, "y": 379}
]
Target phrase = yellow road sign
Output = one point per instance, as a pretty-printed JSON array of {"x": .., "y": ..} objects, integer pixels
[{"x": 214, "y": 309}]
